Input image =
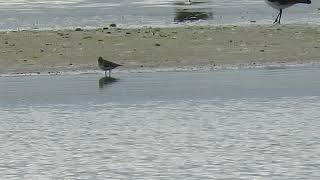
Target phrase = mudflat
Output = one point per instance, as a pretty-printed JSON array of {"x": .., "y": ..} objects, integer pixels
[{"x": 150, "y": 47}]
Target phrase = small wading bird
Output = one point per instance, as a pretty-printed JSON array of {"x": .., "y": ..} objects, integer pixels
[
  {"x": 107, "y": 65},
  {"x": 182, "y": 3},
  {"x": 282, "y": 4}
]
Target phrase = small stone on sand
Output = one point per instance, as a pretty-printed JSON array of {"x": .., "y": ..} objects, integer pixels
[
  {"x": 79, "y": 29},
  {"x": 113, "y": 25}
]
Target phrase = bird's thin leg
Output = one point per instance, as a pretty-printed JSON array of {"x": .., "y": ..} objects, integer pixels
[
  {"x": 280, "y": 15},
  {"x": 275, "y": 21},
  {"x": 110, "y": 73},
  {"x": 105, "y": 73}
]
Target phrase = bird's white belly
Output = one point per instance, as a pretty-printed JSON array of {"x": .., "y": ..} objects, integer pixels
[
  {"x": 106, "y": 68},
  {"x": 277, "y": 5}
]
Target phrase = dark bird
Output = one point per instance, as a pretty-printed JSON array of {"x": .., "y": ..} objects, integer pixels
[
  {"x": 282, "y": 4},
  {"x": 107, "y": 65}
]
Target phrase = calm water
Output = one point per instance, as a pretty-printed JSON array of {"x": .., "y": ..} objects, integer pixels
[
  {"x": 250, "y": 124},
  {"x": 16, "y": 14}
]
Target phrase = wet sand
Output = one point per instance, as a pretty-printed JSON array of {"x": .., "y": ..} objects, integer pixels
[{"x": 148, "y": 48}]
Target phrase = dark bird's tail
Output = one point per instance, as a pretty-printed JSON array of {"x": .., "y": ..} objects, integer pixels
[{"x": 304, "y": 1}]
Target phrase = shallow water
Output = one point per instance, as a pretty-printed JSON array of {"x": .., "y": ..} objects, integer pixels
[
  {"x": 246, "y": 124},
  {"x": 21, "y": 14}
]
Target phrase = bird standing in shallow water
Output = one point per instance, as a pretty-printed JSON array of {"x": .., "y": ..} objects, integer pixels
[
  {"x": 107, "y": 65},
  {"x": 282, "y": 4}
]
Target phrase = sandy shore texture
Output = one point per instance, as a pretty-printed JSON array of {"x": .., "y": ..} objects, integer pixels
[{"x": 209, "y": 46}]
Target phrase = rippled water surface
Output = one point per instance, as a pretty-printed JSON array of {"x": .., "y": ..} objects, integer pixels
[
  {"x": 16, "y": 14},
  {"x": 254, "y": 124}
]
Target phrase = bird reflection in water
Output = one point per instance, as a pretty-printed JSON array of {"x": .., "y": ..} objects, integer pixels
[
  {"x": 188, "y": 14},
  {"x": 105, "y": 81}
]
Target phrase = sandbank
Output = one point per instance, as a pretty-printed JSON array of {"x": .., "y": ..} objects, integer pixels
[{"x": 168, "y": 48}]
